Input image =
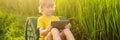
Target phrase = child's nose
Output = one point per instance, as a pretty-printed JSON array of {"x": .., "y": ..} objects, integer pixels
[{"x": 51, "y": 9}]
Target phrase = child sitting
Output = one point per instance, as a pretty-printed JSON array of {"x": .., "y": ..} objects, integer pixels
[{"x": 44, "y": 23}]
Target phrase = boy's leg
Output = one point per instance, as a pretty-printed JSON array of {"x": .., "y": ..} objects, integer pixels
[
  {"x": 49, "y": 36},
  {"x": 62, "y": 35},
  {"x": 68, "y": 34},
  {"x": 55, "y": 34}
]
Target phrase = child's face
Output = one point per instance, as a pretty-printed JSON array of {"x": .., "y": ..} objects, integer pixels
[{"x": 48, "y": 9}]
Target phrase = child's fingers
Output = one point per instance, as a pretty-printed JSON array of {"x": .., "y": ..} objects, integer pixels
[
  {"x": 49, "y": 26},
  {"x": 68, "y": 26}
]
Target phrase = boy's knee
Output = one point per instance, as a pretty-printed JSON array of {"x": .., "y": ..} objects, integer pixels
[
  {"x": 48, "y": 36},
  {"x": 54, "y": 30},
  {"x": 66, "y": 30}
]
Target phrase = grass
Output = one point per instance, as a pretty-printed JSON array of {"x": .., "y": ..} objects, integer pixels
[{"x": 90, "y": 19}]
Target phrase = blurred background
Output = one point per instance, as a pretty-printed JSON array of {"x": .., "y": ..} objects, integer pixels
[{"x": 90, "y": 19}]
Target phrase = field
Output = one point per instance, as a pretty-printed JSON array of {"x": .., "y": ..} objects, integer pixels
[{"x": 90, "y": 19}]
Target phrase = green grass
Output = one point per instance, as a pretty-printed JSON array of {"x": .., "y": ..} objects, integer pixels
[{"x": 90, "y": 19}]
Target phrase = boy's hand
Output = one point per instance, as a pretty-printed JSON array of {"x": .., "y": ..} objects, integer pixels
[
  {"x": 68, "y": 26},
  {"x": 49, "y": 27}
]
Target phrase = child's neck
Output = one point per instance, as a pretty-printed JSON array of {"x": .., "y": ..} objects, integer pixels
[{"x": 48, "y": 16}]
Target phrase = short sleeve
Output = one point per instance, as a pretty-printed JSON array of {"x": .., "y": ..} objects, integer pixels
[{"x": 39, "y": 23}]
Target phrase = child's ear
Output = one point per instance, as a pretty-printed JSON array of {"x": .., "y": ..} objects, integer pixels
[
  {"x": 54, "y": 7},
  {"x": 39, "y": 9}
]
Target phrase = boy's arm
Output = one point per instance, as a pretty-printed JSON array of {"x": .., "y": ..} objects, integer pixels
[
  {"x": 44, "y": 31},
  {"x": 40, "y": 26}
]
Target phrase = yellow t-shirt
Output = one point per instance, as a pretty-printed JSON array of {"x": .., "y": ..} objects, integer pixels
[{"x": 44, "y": 21}]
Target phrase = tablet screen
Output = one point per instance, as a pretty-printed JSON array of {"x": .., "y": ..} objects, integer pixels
[{"x": 59, "y": 24}]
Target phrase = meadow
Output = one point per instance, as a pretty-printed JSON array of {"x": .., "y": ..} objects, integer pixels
[{"x": 90, "y": 19}]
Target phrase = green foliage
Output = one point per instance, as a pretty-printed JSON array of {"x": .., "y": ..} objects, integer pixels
[
  {"x": 10, "y": 29},
  {"x": 90, "y": 19}
]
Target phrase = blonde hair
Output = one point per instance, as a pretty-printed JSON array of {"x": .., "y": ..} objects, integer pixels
[{"x": 43, "y": 3}]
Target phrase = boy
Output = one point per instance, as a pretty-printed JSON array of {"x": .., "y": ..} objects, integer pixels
[{"x": 43, "y": 24}]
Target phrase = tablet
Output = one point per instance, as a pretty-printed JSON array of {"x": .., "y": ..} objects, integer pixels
[{"x": 59, "y": 24}]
